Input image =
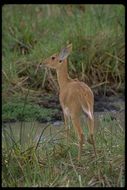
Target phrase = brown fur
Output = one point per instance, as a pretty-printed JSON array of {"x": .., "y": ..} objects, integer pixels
[{"x": 75, "y": 96}]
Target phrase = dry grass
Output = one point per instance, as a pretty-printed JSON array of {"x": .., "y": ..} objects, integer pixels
[
  {"x": 53, "y": 163},
  {"x": 98, "y": 52}
]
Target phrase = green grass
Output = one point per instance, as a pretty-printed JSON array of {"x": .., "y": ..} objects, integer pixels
[
  {"x": 20, "y": 111},
  {"x": 53, "y": 162},
  {"x": 31, "y": 34}
]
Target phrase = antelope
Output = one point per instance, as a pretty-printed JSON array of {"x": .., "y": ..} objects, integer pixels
[{"x": 75, "y": 97}]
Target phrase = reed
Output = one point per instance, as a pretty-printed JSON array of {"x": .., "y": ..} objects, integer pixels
[{"x": 53, "y": 163}]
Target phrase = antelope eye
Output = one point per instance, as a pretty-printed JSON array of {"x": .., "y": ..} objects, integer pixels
[
  {"x": 53, "y": 58},
  {"x": 60, "y": 61}
]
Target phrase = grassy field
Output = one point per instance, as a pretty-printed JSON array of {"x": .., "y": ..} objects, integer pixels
[
  {"x": 53, "y": 162},
  {"x": 31, "y": 33}
]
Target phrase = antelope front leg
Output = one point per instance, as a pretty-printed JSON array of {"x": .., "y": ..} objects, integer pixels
[
  {"x": 66, "y": 123},
  {"x": 77, "y": 126}
]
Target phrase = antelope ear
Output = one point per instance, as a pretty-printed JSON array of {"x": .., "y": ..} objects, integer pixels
[{"x": 65, "y": 52}]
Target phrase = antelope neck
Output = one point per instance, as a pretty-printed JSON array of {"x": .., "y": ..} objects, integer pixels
[{"x": 62, "y": 75}]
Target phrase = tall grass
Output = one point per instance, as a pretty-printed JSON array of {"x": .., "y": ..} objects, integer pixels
[
  {"x": 53, "y": 163},
  {"x": 31, "y": 33}
]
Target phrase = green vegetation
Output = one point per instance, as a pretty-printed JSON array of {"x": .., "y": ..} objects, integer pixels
[
  {"x": 31, "y": 33},
  {"x": 17, "y": 111},
  {"x": 53, "y": 162}
]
